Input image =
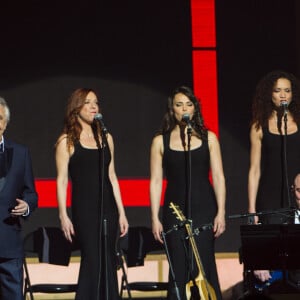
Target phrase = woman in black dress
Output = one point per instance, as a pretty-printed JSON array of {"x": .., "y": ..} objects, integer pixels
[
  {"x": 169, "y": 154},
  {"x": 275, "y": 147},
  {"x": 85, "y": 153}
]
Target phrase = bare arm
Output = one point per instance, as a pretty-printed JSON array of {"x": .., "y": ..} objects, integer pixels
[
  {"x": 253, "y": 183},
  {"x": 156, "y": 177},
  {"x": 116, "y": 189},
  {"x": 254, "y": 170},
  {"x": 62, "y": 157},
  {"x": 218, "y": 182}
]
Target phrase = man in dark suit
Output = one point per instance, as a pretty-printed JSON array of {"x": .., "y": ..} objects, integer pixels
[
  {"x": 294, "y": 276},
  {"x": 18, "y": 199},
  {"x": 296, "y": 189}
]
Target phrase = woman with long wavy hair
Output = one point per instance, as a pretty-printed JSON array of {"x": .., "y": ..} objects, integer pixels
[
  {"x": 86, "y": 154},
  {"x": 275, "y": 147},
  {"x": 169, "y": 154}
]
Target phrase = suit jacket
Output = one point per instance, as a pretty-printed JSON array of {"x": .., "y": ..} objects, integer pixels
[
  {"x": 294, "y": 275},
  {"x": 18, "y": 183}
]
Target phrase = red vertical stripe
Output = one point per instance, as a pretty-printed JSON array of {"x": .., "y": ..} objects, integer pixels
[
  {"x": 203, "y": 23},
  {"x": 204, "y": 60},
  {"x": 205, "y": 86}
]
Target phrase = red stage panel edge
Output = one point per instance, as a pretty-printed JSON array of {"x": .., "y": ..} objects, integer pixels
[{"x": 135, "y": 192}]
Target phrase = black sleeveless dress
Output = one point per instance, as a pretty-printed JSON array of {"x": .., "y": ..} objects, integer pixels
[
  {"x": 203, "y": 211},
  {"x": 84, "y": 168},
  {"x": 273, "y": 189}
]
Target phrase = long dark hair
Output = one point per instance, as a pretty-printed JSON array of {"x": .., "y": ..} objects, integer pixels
[
  {"x": 262, "y": 105},
  {"x": 169, "y": 121}
]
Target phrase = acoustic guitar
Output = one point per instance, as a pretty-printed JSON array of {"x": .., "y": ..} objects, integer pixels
[{"x": 197, "y": 288}]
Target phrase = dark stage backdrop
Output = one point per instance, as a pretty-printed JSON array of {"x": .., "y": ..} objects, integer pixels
[
  {"x": 253, "y": 37},
  {"x": 134, "y": 53}
]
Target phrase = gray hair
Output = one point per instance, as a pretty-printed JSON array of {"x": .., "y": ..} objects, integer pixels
[{"x": 6, "y": 109}]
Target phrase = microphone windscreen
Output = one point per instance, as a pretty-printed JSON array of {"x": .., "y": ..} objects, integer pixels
[
  {"x": 186, "y": 118},
  {"x": 98, "y": 117}
]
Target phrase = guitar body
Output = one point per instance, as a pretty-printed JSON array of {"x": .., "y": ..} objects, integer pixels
[
  {"x": 192, "y": 291},
  {"x": 199, "y": 289}
]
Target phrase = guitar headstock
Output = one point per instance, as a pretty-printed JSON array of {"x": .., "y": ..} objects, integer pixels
[{"x": 177, "y": 211}]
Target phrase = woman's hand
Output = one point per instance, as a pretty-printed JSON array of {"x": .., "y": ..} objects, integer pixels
[
  {"x": 67, "y": 228},
  {"x": 157, "y": 229},
  {"x": 123, "y": 225},
  {"x": 219, "y": 224}
]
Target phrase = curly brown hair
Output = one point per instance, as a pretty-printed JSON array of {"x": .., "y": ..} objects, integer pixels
[
  {"x": 262, "y": 105},
  {"x": 72, "y": 127},
  {"x": 169, "y": 121}
]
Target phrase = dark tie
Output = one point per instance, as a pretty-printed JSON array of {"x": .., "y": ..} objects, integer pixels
[
  {"x": 2, "y": 162},
  {"x": 2, "y": 147}
]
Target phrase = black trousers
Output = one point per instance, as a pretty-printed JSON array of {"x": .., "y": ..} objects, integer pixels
[{"x": 11, "y": 278}]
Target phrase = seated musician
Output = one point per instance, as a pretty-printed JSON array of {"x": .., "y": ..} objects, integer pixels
[
  {"x": 294, "y": 276},
  {"x": 266, "y": 277}
]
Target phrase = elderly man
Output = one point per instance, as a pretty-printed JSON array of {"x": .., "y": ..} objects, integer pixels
[
  {"x": 18, "y": 199},
  {"x": 294, "y": 276}
]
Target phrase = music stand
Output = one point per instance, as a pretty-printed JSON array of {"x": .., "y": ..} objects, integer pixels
[{"x": 270, "y": 247}]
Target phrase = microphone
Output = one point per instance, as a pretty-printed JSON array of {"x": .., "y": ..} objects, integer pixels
[
  {"x": 186, "y": 119},
  {"x": 284, "y": 105},
  {"x": 99, "y": 118}
]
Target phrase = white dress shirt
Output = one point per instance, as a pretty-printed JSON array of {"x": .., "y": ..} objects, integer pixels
[
  {"x": 297, "y": 217},
  {"x": 2, "y": 144}
]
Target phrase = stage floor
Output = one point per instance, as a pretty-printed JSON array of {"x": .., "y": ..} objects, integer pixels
[{"x": 155, "y": 269}]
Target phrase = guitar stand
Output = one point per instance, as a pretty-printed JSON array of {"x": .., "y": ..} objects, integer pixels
[
  {"x": 203, "y": 227},
  {"x": 196, "y": 231}
]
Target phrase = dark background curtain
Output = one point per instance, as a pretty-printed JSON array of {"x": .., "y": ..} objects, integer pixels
[{"x": 134, "y": 53}]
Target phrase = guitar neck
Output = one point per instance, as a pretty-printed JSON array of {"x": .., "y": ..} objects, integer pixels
[{"x": 195, "y": 249}]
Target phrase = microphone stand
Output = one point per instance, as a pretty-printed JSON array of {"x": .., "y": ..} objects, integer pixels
[
  {"x": 103, "y": 222},
  {"x": 106, "y": 258},
  {"x": 189, "y": 190},
  {"x": 189, "y": 176},
  {"x": 285, "y": 171},
  {"x": 175, "y": 287},
  {"x": 260, "y": 213}
]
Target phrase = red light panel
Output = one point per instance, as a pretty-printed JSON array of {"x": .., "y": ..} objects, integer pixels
[
  {"x": 135, "y": 192},
  {"x": 205, "y": 86},
  {"x": 203, "y": 23},
  {"x": 204, "y": 60}
]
